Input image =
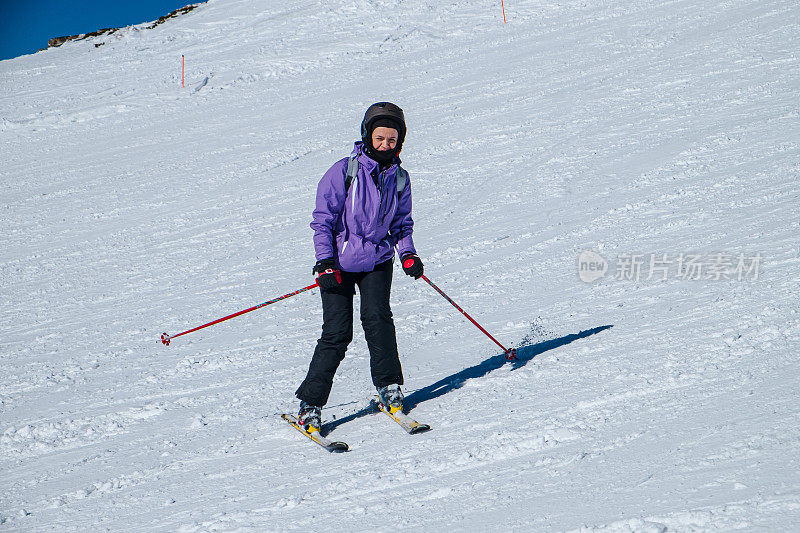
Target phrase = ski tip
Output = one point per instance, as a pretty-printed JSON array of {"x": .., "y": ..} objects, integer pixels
[
  {"x": 338, "y": 447},
  {"x": 421, "y": 428}
]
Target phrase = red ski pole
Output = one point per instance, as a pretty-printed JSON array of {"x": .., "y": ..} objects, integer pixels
[
  {"x": 511, "y": 354},
  {"x": 167, "y": 338}
]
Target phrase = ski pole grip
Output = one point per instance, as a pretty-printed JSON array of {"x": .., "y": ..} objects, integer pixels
[{"x": 408, "y": 263}]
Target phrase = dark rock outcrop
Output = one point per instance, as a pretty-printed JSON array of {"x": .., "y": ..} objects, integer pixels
[{"x": 58, "y": 41}]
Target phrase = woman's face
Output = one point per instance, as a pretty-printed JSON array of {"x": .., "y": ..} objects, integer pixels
[{"x": 384, "y": 138}]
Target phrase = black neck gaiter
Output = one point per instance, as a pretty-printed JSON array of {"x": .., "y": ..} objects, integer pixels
[{"x": 381, "y": 156}]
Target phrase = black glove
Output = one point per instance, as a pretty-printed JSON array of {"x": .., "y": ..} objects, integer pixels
[
  {"x": 412, "y": 265},
  {"x": 327, "y": 275}
]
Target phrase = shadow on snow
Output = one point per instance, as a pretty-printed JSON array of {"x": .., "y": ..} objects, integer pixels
[{"x": 457, "y": 380}]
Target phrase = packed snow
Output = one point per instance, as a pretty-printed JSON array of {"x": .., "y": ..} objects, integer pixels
[{"x": 656, "y": 387}]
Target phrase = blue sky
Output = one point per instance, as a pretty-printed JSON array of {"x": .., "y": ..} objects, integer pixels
[{"x": 27, "y": 25}]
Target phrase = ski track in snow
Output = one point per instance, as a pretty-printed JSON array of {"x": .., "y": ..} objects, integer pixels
[{"x": 131, "y": 207}]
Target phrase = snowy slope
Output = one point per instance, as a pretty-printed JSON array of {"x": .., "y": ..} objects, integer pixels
[{"x": 131, "y": 206}]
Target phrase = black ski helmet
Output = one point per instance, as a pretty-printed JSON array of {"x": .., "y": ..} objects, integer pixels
[{"x": 383, "y": 110}]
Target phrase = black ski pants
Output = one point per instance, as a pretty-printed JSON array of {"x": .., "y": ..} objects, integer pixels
[{"x": 337, "y": 332}]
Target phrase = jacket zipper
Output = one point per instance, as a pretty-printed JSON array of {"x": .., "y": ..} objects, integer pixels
[{"x": 380, "y": 189}]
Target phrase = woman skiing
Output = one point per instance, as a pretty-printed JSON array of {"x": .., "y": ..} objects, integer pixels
[{"x": 363, "y": 212}]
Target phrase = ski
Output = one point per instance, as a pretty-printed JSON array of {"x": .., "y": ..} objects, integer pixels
[
  {"x": 406, "y": 422},
  {"x": 331, "y": 446}
]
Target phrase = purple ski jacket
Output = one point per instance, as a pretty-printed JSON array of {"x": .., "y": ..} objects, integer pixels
[{"x": 360, "y": 227}]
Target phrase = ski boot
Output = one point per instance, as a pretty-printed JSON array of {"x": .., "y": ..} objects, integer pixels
[
  {"x": 309, "y": 417},
  {"x": 391, "y": 397}
]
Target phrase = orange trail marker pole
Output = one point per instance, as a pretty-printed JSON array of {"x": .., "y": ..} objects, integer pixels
[
  {"x": 183, "y": 64},
  {"x": 502, "y": 4}
]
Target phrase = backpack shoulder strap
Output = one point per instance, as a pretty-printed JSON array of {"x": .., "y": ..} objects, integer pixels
[
  {"x": 352, "y": 172},
  {"x": 402, "y": 179}
]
